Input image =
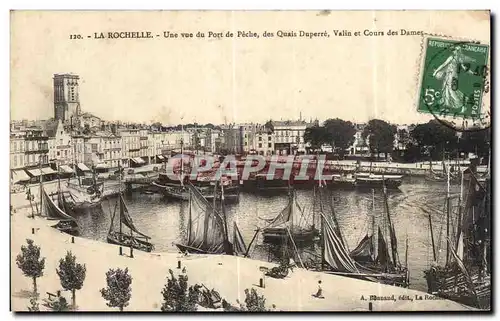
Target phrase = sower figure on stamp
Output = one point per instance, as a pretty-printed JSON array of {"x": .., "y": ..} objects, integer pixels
[{"x": 448, "y": 71}]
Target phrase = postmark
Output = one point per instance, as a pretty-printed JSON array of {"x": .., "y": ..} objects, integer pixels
[{"x": 453, "y": 83}]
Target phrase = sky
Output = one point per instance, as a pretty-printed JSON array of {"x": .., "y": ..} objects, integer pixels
[{"x": 225, "y": 80}]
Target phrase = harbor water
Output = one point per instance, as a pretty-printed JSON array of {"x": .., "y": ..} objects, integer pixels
[{"x": 165, "y": 221}]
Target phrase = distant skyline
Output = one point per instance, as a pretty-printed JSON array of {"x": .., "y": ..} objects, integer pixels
[{"x": 237, "y": 80}]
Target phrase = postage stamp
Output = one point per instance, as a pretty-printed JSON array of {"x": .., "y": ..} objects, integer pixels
[{"x": 453, "y": 78}]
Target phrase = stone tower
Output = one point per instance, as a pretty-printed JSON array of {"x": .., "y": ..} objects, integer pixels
[{"x": 66, "y": 98}]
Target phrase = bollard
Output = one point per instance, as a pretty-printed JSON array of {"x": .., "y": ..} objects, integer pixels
[
  {"x": 72, "y": 239},
  {"x": 121, "y": 251},
  {"x": 32, "y": 230},
  {"x": 178, "y": 264},
  {"x": 261, "y": 283},
  {"x": 370, "y": 306},
  {"x": 131, "y": 252}
]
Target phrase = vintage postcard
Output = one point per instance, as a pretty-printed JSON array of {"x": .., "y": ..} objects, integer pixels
[{"x": 250, "y": 161}]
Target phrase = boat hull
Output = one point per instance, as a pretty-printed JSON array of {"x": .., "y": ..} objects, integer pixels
[
  {"x": 278, "y": 235},
  {"x": 69, "y": 227},
  {"x": 185, "y": 248},
  {"x": 378, "y": 183},
  {"x": 127, "y": 241}
]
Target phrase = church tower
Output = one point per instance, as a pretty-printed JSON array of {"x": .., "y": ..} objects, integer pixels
[{"x": 66, "y": 98}]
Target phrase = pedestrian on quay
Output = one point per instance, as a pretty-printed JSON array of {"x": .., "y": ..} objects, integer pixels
[{"x": 319, "y": 293}]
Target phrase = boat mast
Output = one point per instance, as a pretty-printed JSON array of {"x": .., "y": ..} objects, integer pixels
[
  {"x": 41, "y": 182},
  {"x": 460, "y": 209},
  {"x": 373, "y": 212},
  {"x": 58, "y": 178},
  {"x": 447, "y": 212},
  {"x": 374, "y": 235},
  {"x": 322, "y": 232},
  {"x": 120, "y": 196},
  {"x": 182, "y": 154},
  {"x": 432, "y": 239},
  {"x": 314, "y": 208},
  {"x": 75, "y": 164},
  {"x": 228, "y": 249},
  {"x": 189, "y": 222}
]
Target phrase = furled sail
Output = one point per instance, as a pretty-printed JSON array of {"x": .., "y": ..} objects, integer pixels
[
  {"x": 239, "y": 245},
  {"x": 286, "y": 215},
  {"x": 52, "y": 210},
  {"x": 206, "y": 230},
  {"x": 127, "y": 220},
  {"x": 364, "y": 251},
  {"x": 383, "y": 257},
  {"x": 335, "y": 253},
  {"x": 394, "y": 245}
]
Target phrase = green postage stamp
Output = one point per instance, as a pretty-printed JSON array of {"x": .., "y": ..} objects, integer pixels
[{"x": 453, "y": 78}]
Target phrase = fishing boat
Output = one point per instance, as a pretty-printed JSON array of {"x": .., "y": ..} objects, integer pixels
[
  {"x": 341, "y": 181},
  {"x": 55, "y": 208},
  {"x": 207, "y": 228},
  {"x": 382, "y": 266},
  {"x": 84, "y": 196},
  {"x": 207, "y": 188},
  {"x": 291, "y": 220},
  {"x": 134, "y": 238},
  {"x": 369, "y": 180},
  {"x": 465, "y": 276},
  {"x": 271, "y": 183}
]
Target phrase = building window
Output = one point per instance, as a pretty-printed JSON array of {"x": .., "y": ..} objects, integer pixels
[
  {"x": 260, "y": 138},
  {"x": 58, "y": 153},
  {"x": 260, "y": 145},
  {"x": 269, "y": 145},
  {"x": 269, "y": 138},
  {"x": 15, "y": 160}
]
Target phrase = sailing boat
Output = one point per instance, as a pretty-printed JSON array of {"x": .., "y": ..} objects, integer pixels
[
  {"x": 361, "y": 263},
  {"x": 82, "y": 197},
  {"x": 207, "y": 228},
  {"x": 279, "y": 227},
  {"x": 57, "y": 210},
  {"x": 465, "y": 277},
  {"x": 135, "y": 238}
]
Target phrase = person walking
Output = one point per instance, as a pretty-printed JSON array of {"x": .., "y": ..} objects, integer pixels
[{"x": 319, "y": 293}]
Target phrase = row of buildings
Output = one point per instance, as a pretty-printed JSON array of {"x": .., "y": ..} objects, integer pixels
[{"x": 74, "y": 138}]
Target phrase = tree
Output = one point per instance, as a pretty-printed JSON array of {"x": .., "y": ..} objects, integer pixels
[
  {"x": 403, "y": 138},
  {"x": 315, "y": 136},
  {"x": 71, "y": 274},
  {"x": 60, "y": 305},
  {"x": 380, "y": 136},
  {"x": 253, "y": 303},
  {"x": 30, "y": 263},
  {"x": 340, "y": 133},
  {"x": 34, "y": 305},
  {"x": 435, "y": 139},
  {"x": 477, "y": 142},
  {"x": 176, "y": 295},
  {"x": 118, "y": 291}
]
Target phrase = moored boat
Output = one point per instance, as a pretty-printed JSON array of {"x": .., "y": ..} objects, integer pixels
[
  {"x": 57, "y": 210},
  {"x": 134, "y": 238},
  {"x": 367, "y": 180},
  {"x": 281, "y": 227}
]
